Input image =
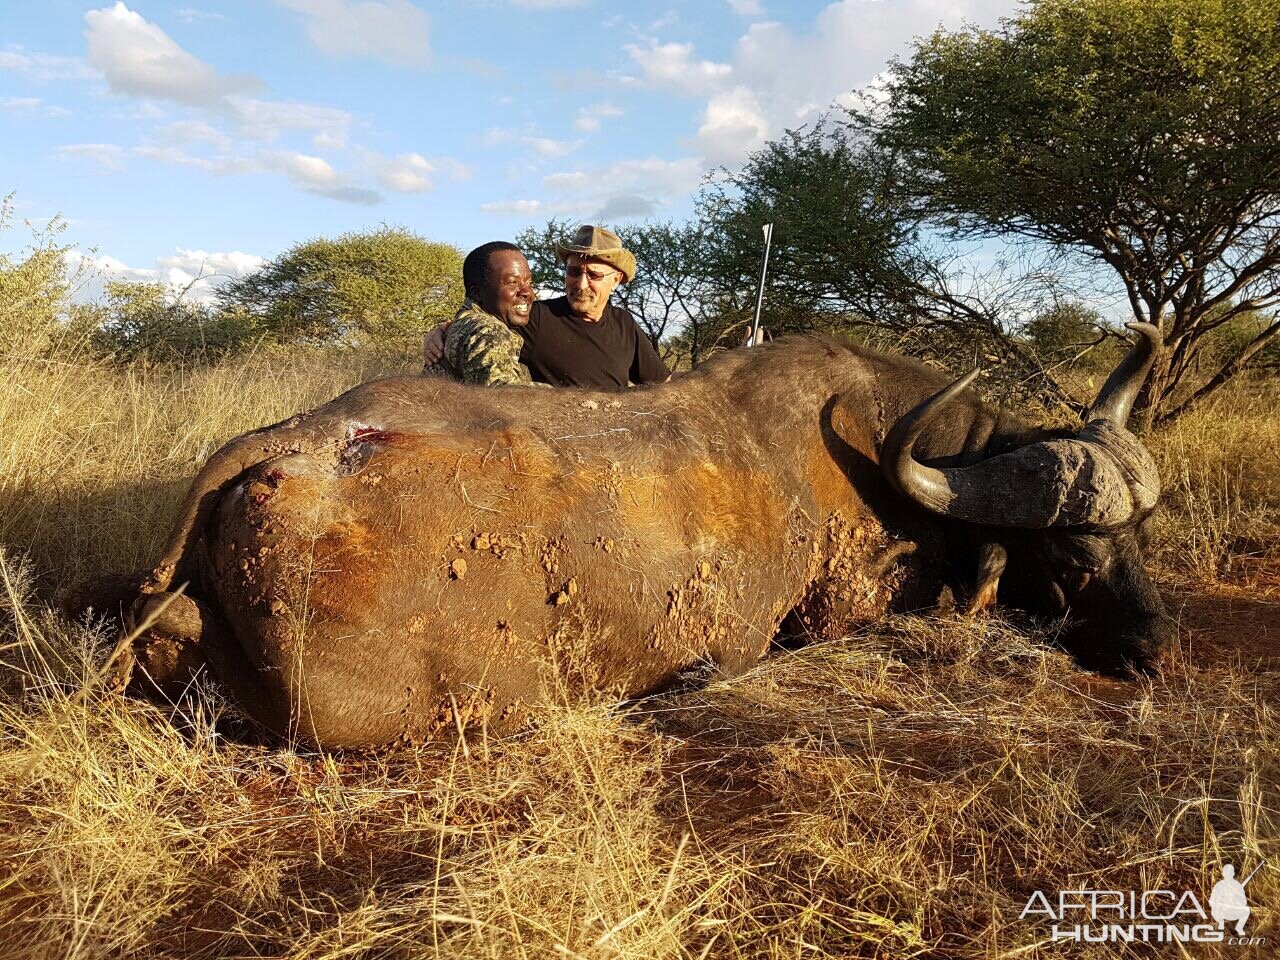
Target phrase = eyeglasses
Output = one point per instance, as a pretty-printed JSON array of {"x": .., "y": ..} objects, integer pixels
[{"x": 593, "y": 276}]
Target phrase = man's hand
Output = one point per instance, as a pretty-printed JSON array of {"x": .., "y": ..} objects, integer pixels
[{"x": 433, "y": 345}]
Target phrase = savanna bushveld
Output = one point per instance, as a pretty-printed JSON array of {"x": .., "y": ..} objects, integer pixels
[{"x": 903, "y": 790}]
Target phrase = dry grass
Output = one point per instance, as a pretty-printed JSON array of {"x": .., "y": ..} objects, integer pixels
[
  {"x": 94, "y": 459},
  {"x": 895, "y": 794},
  {"x": 1221, "y": 470}
]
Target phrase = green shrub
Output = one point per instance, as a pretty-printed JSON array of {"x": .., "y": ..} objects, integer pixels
[
  {"x": 140, "y": 320},
  {"x": 377, "y": 287},
  {"x": 35, "y": 291}
]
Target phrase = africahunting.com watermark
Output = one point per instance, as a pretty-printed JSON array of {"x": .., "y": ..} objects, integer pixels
[{"x": 1149, "y": 916}]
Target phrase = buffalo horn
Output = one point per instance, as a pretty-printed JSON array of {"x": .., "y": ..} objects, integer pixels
[
  {"x": 1116, "y": 397},
  {"x": 1096, "y": 479},
  {"x": 927, "y": 486}
]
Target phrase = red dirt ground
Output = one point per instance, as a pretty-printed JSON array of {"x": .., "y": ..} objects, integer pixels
[{"x": 1229, "y": 623}]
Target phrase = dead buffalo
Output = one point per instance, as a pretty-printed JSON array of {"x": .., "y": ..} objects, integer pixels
[{"x": 417, "y": 556}]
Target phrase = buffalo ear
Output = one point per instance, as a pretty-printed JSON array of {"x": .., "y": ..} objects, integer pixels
[{"x": 992, "y": 559}]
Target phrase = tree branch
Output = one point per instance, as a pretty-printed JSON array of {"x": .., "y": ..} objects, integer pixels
[{"x": 1224, "y": 375}]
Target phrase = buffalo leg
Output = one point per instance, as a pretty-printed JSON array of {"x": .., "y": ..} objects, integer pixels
[
  {"x": 110, "y": 596},
  {"x": 992, "y": 559}
]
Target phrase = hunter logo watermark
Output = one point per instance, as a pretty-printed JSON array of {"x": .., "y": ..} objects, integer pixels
[{"x": 1149, "y": 916}]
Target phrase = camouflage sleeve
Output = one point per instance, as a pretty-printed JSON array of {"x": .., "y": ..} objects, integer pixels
[{"x": 487, "y": 356}]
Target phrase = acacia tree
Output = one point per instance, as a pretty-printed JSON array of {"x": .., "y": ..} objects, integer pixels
[
  {"x": 35, "y": 290},
  {"x": 1144, "y": 134},
  {"x": 387, "y": 284},
  {"x": 145, "y": 320},
  {"x": 851, "y": 253}
]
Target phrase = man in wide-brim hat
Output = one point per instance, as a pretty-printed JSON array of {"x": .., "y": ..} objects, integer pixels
[
  {"x": 581, "y": 339},
  {"x": 598, "y": 245}
]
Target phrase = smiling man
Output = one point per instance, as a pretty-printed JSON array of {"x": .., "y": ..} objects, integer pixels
[{"x": 483, "y": 345}]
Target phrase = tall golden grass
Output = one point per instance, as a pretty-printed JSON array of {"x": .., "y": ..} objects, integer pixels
[
  {"x": 896, "y": 794},
  {"x": 1220, "y": 465},
  {"x": 95, "y": 458}
]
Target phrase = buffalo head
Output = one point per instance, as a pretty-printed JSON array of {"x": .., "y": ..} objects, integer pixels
[{"x": 1060, "y": 521}]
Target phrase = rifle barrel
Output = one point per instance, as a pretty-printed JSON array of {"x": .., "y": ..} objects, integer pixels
[
  {"x": 764, "y": 269},
  {"x": 1250, "y": 876}
]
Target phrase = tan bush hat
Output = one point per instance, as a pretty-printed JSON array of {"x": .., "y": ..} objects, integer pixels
[{"x": 599, "y": 244}]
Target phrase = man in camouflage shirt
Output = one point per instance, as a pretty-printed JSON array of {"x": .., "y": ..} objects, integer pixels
[
  {"x": 480, "y": 348},
  {"x": 482, "y": 345}
]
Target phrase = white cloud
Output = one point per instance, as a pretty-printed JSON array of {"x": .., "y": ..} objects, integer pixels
[
  {"x": 145, "y": 110},
  {"x": 625, "y": 206},
  {"x": 541, "y": 146},
  {"x": 198, "y": 273},
  {"x": 627, "y": 188},
  {"x": 732, "y": 125},
  {"x": 20, "y": 104},
  {"x": 546, "y": 147},
  {"x": 671, "y": 65},
  {"x": 846, "y": 47},
  {"x": 407, "y": 173},
  {"x": 138, "y": 58},
  {"x": 316, "y": 175},
  {"x": 514, "y": 207},
  {"x": 747, "y": 8},
  {"x": 109, "y": 156},
  {"x": 174, "y": 143},
  {"x": 412, "y": 172},
  {"x": 496, "y": 136},
  {"x": 107, "y": 268},
  {"x": 590, "y": 117},
  {"x": 779, "y": 78},
  {"x": 455, "y": 169},
  {"x": 268, "y": 119},
  {"x": 536, "y": 208},
  {"x": 569, "y": 182},
  {"x": 218, "y": 165},
  {"x": 195, "y": 132},
  {"x": 310, "y": 171},
  {"x": 652, "y": 175},
  {"x": 391, "y": 30},
  {"x": 191, "y": 15},
  {"x": 329, "y": 140},
  {"x": 177, "y": 157},
  {"x": 43, "y": 66},
  {"x": 193, "y": 274}
]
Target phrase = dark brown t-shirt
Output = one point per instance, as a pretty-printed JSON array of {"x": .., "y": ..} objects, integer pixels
[{"x": 563, "y": 350}]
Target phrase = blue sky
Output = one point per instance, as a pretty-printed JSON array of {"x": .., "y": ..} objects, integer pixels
[{"x": 177, "y": 137}]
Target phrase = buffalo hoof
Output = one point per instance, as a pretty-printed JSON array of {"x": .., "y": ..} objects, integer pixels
[
  {"x": 168, "y": 654},
  {"x": 1144, "y": 665}
]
